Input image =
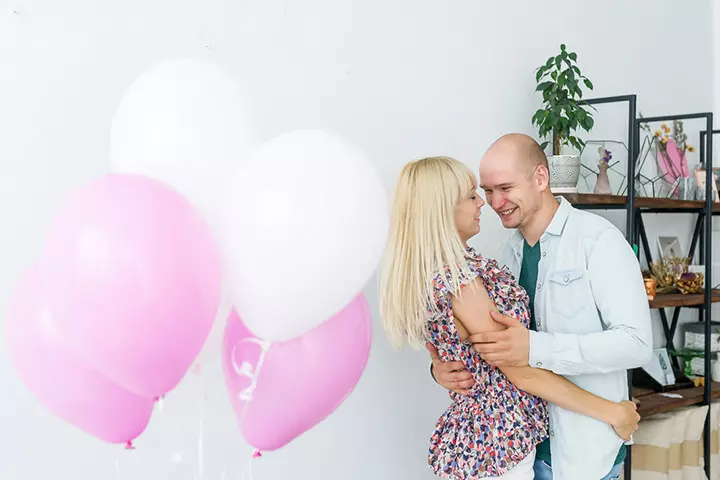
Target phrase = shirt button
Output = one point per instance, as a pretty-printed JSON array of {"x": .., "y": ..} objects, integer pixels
[
  {"x": 539, "y": 285},
  {"x": 544, "y": 253},
  {"x": 539, "y": 364},
  {"x": 566, "y": 279},
  {"x": 518, "y": 254},
  {"x": 552, "y": 433}
]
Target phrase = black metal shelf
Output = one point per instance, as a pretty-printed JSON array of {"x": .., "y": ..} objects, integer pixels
[{"x": 635, "y": 207}]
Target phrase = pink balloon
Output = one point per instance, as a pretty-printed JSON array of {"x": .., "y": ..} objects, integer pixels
[
  {"x": 133, "y": 277},
  {"x": 62, "y": 382},
  {"x": 301, "y": 381}
]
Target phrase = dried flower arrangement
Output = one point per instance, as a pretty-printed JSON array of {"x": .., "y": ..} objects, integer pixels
[
  {"x": 678, "y": 136},
  {"x": 605, "y": 155},
  {"x": 671, "y": 275},
  {"x": 690, "y": 282}
]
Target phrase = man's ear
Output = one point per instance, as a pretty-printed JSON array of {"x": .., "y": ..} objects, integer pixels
[{"x": 542, "y": 177}]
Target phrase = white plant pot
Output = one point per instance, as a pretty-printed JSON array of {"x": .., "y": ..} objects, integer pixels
[{"x": 564, "y": 173}]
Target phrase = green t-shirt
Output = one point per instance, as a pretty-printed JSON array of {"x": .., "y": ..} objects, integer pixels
[{"x": 528, "y": 280}]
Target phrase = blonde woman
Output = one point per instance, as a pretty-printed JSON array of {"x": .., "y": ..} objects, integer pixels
[{"x": 435, "y": 288}]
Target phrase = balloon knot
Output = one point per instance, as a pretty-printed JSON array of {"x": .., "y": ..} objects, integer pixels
[
  {"x": 256, "y": 453},
  {"x": 129, "y": 445}
]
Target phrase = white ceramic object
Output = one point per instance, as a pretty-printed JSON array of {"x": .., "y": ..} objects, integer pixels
[{"x": 564, "y": 173}]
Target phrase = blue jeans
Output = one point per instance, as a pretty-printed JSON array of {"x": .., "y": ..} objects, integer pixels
[{"x": 543, "y": 471}]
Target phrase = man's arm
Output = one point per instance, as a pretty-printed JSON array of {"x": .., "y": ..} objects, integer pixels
[
  {"x": 473, "y": 313},
  {"x": 620, "y": 296}
]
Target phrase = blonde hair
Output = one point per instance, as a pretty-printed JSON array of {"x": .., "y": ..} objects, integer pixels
[{"x": 423, "y": 241}]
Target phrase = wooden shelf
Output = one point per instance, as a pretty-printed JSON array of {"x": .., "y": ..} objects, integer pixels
[
  {"x": 640, "y": 202},
  {"x": 653, "y": 403},
  {"x": 682, "y": 300},
  {"x": 592, "y": 199}
]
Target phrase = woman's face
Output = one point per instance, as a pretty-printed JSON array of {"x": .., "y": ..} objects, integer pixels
[{"x": 467, "y": 216}]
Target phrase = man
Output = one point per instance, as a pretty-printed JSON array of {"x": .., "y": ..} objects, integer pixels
[{"x": 590, "y": 318}]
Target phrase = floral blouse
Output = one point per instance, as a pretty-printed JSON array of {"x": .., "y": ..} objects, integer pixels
[{"x": 490, "y": 430}]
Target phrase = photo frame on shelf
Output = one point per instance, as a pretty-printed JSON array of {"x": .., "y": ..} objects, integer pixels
[
  {"x": 660, "y": 367},
  {"x": 669, "y": 247},
  {"x": 659, "y": 375}
]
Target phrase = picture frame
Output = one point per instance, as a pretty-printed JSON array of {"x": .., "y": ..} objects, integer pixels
[
  {"x": 669, "y": 247},
  {"x": 660, "y": 368}
]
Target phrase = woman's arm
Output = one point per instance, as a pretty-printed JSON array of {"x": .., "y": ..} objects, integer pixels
[{"x": 472, "y": 310}]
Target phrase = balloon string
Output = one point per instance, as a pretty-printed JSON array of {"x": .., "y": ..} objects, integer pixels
[
  {"x": 248, "y": 470},
  {"x": 247, "y": 394},
  {"x": 201, "y": 432},
  {"x": 200, "y": 451},
  {"x": 159, "y": 401}
]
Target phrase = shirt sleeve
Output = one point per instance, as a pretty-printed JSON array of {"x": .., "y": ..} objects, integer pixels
[{"x": 619, "y": 293}]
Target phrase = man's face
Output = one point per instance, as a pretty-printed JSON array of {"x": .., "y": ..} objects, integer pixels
[{"x": 511, "y": 188}]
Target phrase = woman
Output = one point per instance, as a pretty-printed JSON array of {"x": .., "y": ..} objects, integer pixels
[{"x": 435, "y": 288}]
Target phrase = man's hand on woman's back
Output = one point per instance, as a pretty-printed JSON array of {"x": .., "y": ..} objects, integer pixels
[{"x": 450, "y": 375}]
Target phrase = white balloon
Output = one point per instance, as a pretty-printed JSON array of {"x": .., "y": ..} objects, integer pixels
[
  {"x": 306, "y": 224},
  {"x": 184, "y": 122}
]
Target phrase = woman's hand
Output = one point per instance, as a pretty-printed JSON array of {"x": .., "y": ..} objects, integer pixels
[{"x": 627, "y": 419}]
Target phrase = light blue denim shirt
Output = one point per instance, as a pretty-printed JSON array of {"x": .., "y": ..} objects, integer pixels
[{"x": 593, "y": 322}]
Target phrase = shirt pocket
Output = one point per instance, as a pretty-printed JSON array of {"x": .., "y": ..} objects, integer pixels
[{"x": 567, "y": 292}]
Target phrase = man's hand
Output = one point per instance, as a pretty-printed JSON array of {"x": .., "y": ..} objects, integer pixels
[
  {"x": 451, "y": 375},
  {"x": 510, "y": 348}
]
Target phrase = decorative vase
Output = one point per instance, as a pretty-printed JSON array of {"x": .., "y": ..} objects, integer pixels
[
  {"x": 650, "y": 288},
  {"x": 564, "y": 173},
  {"x": 602, "y": 186},
  {"x": 671, "y": 162}
]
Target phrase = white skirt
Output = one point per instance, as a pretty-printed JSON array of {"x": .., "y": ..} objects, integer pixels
[{"x": 522, "y": 471}]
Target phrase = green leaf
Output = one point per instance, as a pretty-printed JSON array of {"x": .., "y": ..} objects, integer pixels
[
  {"x": 558, "y": 60},
  {"x": 562, "y": 47},
  {"x": 573, "y": 57},
  {"x": 544, "y": 145},
  {"x": 540, "y": 73},
  {"x": 564, "y": 55},
  {"x": 588, "y": 83},
  {"x": 575, "y": 142},
  {"x": 538, "y": 117},
  {"x": 543, "y": 86},
  {"x": 549, "y": 62}
]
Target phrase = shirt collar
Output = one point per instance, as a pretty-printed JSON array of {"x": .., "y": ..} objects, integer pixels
[{"x": 557, "y": 224}]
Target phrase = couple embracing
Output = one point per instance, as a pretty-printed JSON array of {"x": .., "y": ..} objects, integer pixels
[{"x": 533, "y": 348}]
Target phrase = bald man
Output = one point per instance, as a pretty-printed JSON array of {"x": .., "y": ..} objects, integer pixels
[{"x": 590, "y": 318}]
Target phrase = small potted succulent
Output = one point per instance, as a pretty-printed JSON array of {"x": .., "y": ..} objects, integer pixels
[{"x": 563, "y": 112}]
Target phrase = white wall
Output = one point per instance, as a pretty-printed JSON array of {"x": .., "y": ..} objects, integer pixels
[{"x": 403, "y": 79}]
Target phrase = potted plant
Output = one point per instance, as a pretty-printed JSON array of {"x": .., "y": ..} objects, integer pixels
[{"x": 563, "y": 112}]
